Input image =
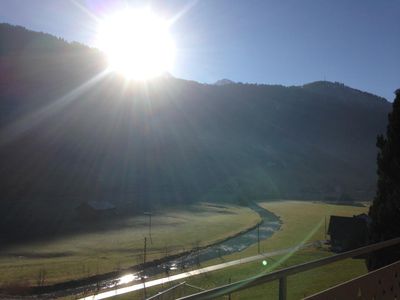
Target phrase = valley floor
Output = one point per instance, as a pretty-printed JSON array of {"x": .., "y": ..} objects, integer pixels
[
  {"x": 302, "y": 222},
  {"x": 73, "y": 257}
]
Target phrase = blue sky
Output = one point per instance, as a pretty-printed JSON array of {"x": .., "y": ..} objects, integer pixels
[{"x": 289, "y": 42}]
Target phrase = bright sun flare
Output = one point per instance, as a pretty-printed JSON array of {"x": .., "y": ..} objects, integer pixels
[{"x": 137, "y": 44}]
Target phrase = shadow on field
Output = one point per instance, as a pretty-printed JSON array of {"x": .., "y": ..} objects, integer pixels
[{"x": 45, "y": 219}]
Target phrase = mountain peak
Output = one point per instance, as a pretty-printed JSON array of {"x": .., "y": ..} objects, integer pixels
[
  {"x": 224, "y": 81},
  {"x": 340, "y": 90}
]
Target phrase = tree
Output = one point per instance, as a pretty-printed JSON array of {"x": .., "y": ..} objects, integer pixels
[{"x": 385, "y": 209}]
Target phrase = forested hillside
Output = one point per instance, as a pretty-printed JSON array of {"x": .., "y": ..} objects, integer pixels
[{"x": 69, "y": 135}]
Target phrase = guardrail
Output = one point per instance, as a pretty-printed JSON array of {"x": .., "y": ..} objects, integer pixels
[{"x": 282, "y": 275}]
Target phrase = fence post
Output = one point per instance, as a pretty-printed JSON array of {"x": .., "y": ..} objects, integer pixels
[{"x": 282, "y": 288}]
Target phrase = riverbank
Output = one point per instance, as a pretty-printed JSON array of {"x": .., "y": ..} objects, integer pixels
[
  {"x": 93, "y": 254},
  {"x": 173, "y": 265},
  {"x": 302, "y": 221}
]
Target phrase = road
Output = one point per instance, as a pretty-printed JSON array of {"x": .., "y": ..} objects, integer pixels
[{"x": 136, "y": 287}]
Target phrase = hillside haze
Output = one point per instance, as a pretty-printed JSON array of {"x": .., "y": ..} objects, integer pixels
[{"x": 69, "y": 136}]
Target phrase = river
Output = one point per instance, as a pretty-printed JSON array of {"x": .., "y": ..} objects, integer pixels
[{"x": 268, "y": 225}]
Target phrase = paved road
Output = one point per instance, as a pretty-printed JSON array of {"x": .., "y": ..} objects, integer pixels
[{"x": 136, "y": 287}]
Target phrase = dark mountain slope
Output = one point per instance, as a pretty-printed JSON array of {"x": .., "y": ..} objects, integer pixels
[{"x": 167, "y": 141}]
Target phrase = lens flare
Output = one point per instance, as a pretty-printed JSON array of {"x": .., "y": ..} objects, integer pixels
[{"x": 264, "y": 263}]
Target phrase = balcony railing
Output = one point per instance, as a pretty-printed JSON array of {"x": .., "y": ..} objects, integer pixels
[
  {"x": 282, "y": 275},
  {"x": 382, "y": 284}
]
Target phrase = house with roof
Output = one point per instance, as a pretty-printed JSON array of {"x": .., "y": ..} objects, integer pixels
[
  {"x": 95, "y": 209},
  {"x": 348, "y": 233}
]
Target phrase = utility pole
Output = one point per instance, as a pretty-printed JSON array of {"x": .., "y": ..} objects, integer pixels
[
  {"x": 325, "y": 228},
  {"x": 144, "y": 262},
  {"x": 149, "y": 214},
  {"x": 144, "y": 288},
  {"x": 197, "y": 252},
  {"x": 258, "y": 237},
  {"x": 144, "y": 250}
]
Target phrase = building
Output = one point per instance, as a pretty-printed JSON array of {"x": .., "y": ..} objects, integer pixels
[
  {"x": 348, "y": 233},
  {"x": 95, "y": 209}
]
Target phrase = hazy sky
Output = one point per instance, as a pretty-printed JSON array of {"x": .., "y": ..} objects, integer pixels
[{"x": 288, "y": 42}]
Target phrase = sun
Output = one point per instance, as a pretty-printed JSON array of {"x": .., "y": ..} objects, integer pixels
[{"x": 137, "y": 43}]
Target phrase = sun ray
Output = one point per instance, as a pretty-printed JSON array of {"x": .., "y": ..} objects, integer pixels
[
  {"x": 85, "y": 10},
  {"x": 183, "y": 11},
  {"x": 21, "y": 126}
]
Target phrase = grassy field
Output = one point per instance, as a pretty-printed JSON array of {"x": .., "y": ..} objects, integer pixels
[
  {"x": 302, "y": 221},
  {"x": 82, "y": 255}
]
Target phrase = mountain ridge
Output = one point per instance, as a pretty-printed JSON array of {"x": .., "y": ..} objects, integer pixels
[{"x": 69, "y": 135}]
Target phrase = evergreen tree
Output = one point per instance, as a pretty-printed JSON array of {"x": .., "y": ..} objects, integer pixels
[{"x": 385, "y": 210}]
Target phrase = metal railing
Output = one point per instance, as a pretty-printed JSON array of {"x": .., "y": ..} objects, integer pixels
[
  {"x": 282, "y": 275},
  {"x": 382, "y": 284}
]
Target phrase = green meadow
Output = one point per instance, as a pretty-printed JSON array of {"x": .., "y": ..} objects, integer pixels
[
  {"x": 82, "y": 255},
  {"x": 302, "y": 221}
]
